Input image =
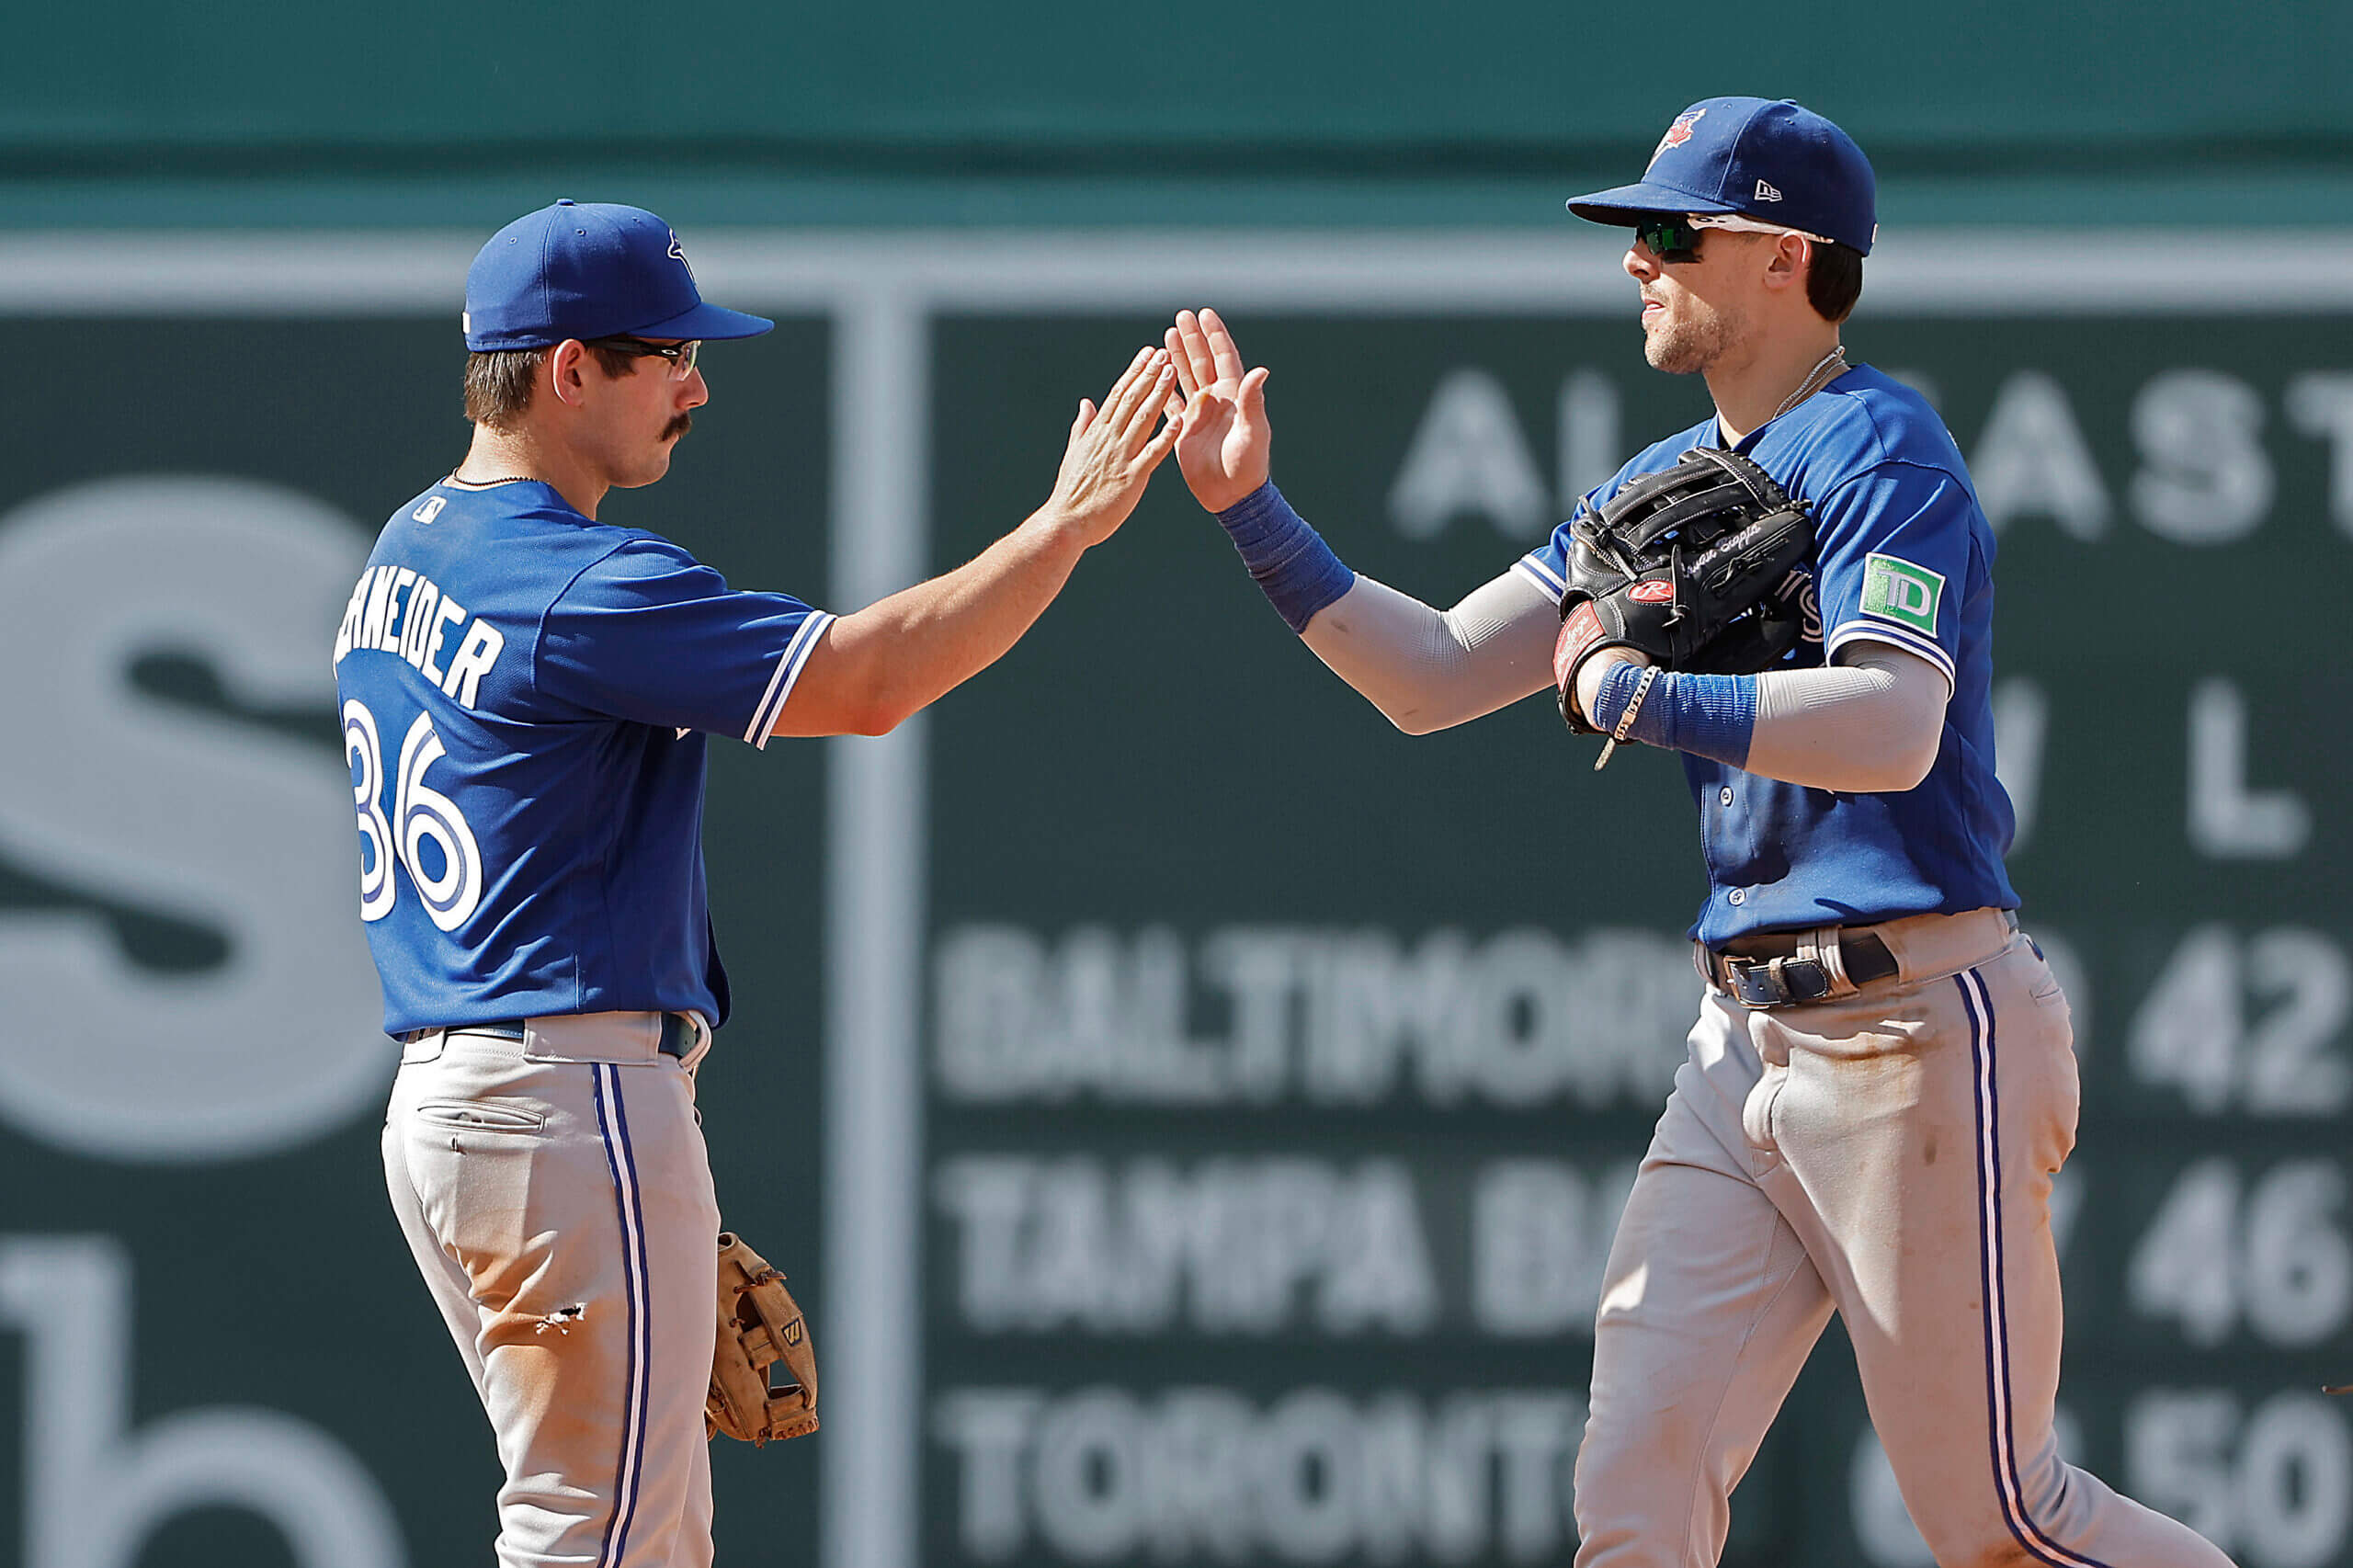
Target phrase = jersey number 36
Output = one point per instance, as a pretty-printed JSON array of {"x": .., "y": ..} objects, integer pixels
[{"x": 424, "y": 814}]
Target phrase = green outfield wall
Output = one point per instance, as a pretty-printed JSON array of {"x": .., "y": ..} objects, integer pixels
[
  {"x": 162, "y": 112},
  {"x": 1058, "y": 81}
]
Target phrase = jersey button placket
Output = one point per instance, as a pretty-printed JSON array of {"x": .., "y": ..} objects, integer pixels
[{"x": 1723, "y": 796}]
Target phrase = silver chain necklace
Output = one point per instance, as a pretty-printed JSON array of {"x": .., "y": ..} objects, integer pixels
[{"x": 1826, "y": 369}]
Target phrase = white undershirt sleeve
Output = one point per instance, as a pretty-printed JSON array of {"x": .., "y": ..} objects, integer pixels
[
  {"x": 1426, "y": 669},
  {"x": 1869, "y": 725}
]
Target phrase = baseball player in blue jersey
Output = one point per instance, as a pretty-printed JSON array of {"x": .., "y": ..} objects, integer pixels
[
  {"x": 1881, "y": 1084},
  {"x": 526, "y": 695}
]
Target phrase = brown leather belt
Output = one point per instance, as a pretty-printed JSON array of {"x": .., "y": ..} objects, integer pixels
[{"x": 1765, "y": 971}]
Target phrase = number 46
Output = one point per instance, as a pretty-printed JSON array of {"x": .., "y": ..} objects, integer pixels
[
  {"x": 2271, "y": 1252},
  {"x": 424, "y": 814}
]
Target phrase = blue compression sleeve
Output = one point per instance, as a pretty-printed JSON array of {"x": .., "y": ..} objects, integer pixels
[
  {"x": 1288, "y": 560},
  {"x": 1709, "y": 716}
]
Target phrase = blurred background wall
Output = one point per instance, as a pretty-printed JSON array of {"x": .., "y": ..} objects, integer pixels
[
  {"x": 1054, "y": 111},
  {"x": 1195, "y": 1111}
]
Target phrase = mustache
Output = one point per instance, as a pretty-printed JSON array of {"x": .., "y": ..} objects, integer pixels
[{"x": 679, "y": 427}]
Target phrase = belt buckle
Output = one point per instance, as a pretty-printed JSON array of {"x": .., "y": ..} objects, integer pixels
[
  {"x": 1777, "y": 983},
  {"x": 1758, "y": 984}
]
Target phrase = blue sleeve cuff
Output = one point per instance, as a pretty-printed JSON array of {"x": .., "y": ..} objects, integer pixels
[
  {"x": 1709, "y": 716},
  {"x": 1288, "y": 560}
]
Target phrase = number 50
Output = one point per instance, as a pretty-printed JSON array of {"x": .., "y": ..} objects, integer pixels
[{"x": 422, "y": 812}]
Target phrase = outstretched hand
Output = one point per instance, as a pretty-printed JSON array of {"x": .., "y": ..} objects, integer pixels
[
  {"x": 1113, "y": 449},
  {"x": 1225, "y": 447}
]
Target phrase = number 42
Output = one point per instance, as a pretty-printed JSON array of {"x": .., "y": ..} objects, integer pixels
[{"x": 2197, "y": 1031}]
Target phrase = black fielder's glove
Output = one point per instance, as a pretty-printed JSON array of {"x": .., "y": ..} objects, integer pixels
[{"x": 1698, "y": 568}]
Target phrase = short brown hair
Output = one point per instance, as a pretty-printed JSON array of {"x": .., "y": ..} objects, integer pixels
[
  {"x": 499, "y": 380},
  {"x": 1834, "y": 281}
]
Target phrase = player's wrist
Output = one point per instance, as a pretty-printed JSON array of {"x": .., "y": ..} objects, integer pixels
[
  {"x": 1593, "y": 678},
  {"x": 1288, "y": 560},
  {"x": 1057, "y": 528},
  {"x": 1602, "y": 699},
  {"x": 1248, "y": 510},
  {"x": 1223, "y": 494}
]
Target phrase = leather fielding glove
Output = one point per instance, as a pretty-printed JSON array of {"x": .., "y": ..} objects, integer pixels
[
  {"x": 1699, "y": 567},
  {"x": 759, "y": 1324}
]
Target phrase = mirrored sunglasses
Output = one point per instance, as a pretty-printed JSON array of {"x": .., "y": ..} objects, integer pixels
[{"x": 1675, "y": 236}]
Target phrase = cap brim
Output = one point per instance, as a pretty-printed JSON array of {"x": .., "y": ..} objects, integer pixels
[
  {"x": 1622, "y": 204},
  {"x": 709, "y": 322}
]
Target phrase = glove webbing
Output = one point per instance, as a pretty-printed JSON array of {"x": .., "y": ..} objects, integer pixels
[{"x": 1622, "y": 516}]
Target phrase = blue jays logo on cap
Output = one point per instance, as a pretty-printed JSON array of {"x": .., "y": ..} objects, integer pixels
[
  {"x": 1679, "y": 132},
  {"x": 589, "y": 269},
  {"x": 1768, "y": 158}
]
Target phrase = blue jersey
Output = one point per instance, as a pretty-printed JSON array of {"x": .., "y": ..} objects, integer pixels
[
  {"x": 1903, "y": 556},
  {"x": 525, "y": 697}
]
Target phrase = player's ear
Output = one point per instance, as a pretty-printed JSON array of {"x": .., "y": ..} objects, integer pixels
[
  {"x": 565, "y": 372},
  {"x": 1786, "y": 264}
]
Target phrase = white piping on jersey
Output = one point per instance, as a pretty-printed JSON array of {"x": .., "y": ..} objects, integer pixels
[
  {"x": 1927, "y": 648},
  {"x": 788, "y": 674},
  {"x": 1544, "y": 576}
]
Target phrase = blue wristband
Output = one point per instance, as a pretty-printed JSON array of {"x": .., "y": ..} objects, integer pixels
[
  {"x": 1709, "y": 716},
  {"x": 1288, "y": 560}
]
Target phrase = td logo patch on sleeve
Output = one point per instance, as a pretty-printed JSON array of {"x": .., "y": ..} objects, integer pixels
[{"x": 1898, "y": 591}]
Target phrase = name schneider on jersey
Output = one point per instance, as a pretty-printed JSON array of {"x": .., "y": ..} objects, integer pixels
[{"x": 395, "y": 610}]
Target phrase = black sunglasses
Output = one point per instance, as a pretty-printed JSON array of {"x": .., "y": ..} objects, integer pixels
[
  {"x": 1670, "y": 237},
  {"x": 680, "y": 355}
]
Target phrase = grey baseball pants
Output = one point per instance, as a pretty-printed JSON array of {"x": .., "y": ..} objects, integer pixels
[
  {"x": 557, "y": 1196},
  {"x": 1885, "y": 1153}
]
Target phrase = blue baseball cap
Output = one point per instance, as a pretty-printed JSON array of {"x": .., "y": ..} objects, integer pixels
[
  {"x": 1763, "y": 158},
  {"x": 589, "y": 269}
]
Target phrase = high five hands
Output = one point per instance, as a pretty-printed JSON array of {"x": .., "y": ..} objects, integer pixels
[
  {"x": 1215, "y": 421},
  {"x": 1224, "y": 446}
]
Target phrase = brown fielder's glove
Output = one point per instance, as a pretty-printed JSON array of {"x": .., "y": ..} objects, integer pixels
[{"x": 758, "y": 1325}]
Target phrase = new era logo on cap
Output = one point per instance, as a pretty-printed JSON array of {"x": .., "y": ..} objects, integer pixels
[{"x": 1765, "y": 192}]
